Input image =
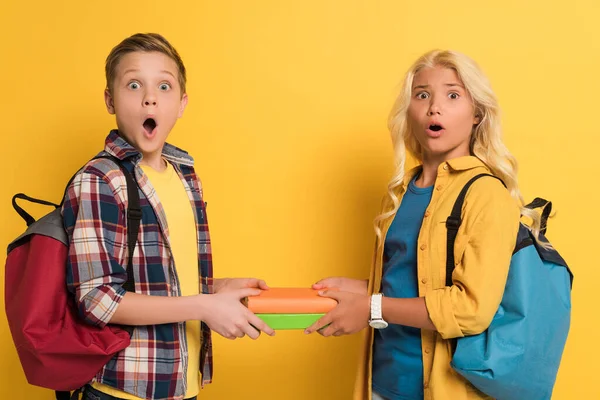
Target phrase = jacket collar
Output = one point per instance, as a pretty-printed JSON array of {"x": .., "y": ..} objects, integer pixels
[
  {"x": 456, "y": 164},
  {"x": 465, "y": 163},
  {"x": 117, "y": 146}
]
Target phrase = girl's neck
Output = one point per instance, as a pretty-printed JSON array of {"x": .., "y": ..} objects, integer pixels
[
  {"x": 430, "y": 169},
  {"x": 427, "y": 176}
]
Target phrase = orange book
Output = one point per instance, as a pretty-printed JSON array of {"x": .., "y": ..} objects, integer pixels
[{"x": 290, "y": 301}]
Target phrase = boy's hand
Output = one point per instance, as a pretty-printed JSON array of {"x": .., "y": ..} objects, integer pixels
[
  {"x": 225, "y": 314},
  {"x": 358, "y": 286},
  {"x": 228, "y": 284},
  {"x": 349, "y": 316}
]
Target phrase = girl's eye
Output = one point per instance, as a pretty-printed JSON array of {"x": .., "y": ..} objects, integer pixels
[
  {"x": 164, "y": 86},
  {"x": 133, "y": 85},
  {"x": 453, "y": 95},
  {"x": 422, "y": 95}
]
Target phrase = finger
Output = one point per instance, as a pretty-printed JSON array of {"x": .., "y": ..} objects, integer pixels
[
  {"x": 329, "y": 330},
  {"x": 259, "y": 324},
  {"x": 262, "y": 285},
  {"x": 240, "y": 333},
  {"x": 228, "y": 335},
  {"x": 321, "y": 322},
  {"x": 256, "y": 283},
  {"x": 236, "y": 332},
  {"x": 251, "y": 331},
  {"x": 256, "y": 329}
]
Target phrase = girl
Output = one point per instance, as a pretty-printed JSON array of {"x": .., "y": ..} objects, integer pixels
[{"x": 447, "y": 117}]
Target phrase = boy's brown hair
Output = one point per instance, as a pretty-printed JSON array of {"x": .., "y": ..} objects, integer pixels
[{"x": 146, "y": 42}]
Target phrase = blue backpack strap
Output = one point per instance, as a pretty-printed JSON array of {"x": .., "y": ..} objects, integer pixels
[
  {"x": 546, "y": 210},
  {"x": 453, "y": 223}
]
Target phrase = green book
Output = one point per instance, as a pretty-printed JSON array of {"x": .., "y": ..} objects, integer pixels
[{"x": 289, "y": 321}]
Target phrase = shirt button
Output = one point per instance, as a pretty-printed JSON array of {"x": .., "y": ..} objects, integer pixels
[
  {"x": 427, "y": 213},
  {"x": 439, "y": 187},
  {"x": 423, "y": 246},
  {"x": 423, "y": 281},
  {"x": 445, "y": 167}
]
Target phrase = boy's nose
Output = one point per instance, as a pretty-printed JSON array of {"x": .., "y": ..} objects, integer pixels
[{"x": 149, "y": 99}]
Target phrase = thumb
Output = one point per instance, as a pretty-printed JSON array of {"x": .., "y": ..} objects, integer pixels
[
  {"x": 332, "y": 294},
  {"x": 247, "y": 292},
  {"x": 324, "y": 283},
  {"x": 258, "y": 283}
]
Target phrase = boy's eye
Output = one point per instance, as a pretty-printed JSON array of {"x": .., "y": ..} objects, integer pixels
[
  {"x": 422, "y": 95},
  {"x": 453, "y": 95},
  {"x": 164, "y": 86},
  {"x": 133, "y": 85}
]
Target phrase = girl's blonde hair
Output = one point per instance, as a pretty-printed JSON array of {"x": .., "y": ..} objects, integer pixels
[{"x": 486, "y": 142}]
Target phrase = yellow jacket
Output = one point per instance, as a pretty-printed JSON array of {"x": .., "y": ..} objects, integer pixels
[{"x": 483, "y": 248}]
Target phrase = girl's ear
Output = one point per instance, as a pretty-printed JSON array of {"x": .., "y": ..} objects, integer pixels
[{"x": 476, "y": 119}]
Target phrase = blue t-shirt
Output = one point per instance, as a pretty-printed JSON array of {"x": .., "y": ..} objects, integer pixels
[{"x": 397, "y": 358}]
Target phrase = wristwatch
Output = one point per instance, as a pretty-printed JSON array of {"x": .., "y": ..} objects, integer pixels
[{"x": 377, "y": 320}]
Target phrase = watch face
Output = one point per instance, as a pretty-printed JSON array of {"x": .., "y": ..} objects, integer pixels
[{"x": 378, "y": 324}]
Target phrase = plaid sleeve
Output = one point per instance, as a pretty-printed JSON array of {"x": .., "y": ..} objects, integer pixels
[{"x": 95, "y": 222}]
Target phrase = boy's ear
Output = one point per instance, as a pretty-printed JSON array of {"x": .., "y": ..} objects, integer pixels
[
  {"x": 108, "y": 100},
  {"x": 182, "y": 105}
]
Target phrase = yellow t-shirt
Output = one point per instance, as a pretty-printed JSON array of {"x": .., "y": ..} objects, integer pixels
[{"x": 182, "y": 239}]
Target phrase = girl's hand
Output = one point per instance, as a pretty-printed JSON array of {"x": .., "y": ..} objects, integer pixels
[
  {"x": 350, "y": 315},
  {"x": 358, "y": 286}
]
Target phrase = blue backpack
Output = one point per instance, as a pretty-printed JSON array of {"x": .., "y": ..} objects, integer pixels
[{"x": 518, "y": 356}]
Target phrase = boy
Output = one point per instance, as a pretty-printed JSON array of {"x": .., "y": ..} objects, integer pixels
[{"x": 176, "y": 302}]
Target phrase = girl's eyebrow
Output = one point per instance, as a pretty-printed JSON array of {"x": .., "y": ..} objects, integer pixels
[{"x": 447, "y": 84}]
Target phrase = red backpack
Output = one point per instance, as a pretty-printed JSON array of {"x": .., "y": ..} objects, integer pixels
[{"x": 57, "y": 349}]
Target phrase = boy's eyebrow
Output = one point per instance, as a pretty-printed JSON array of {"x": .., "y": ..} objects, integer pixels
[
  {"x": 168, "y": 72},
  {"x": 447, "y": 84},
  {"x": 130, "y": 70},
  {"x": 137, "y": 70}
]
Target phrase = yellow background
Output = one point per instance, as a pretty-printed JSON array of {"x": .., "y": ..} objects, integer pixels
[{"x": 287, "y": 122}]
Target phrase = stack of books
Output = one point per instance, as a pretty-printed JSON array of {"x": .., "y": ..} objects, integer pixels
[{"x": 290, "y": 308}]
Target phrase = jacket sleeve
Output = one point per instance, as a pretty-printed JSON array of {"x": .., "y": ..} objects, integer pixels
[
  {"x": 483, "y": 250},
  {"x": 95, "y": 221}
]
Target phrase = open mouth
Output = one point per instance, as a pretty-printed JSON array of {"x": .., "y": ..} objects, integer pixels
[
  {"x": 149, "y": 125},
  {"x": 435, "y": 128}
]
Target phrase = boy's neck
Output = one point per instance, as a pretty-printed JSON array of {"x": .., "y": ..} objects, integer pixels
[{"x": 154, "y": 161}]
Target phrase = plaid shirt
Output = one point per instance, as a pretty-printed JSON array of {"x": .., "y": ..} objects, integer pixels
[{"x": 94, "y": 212}]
